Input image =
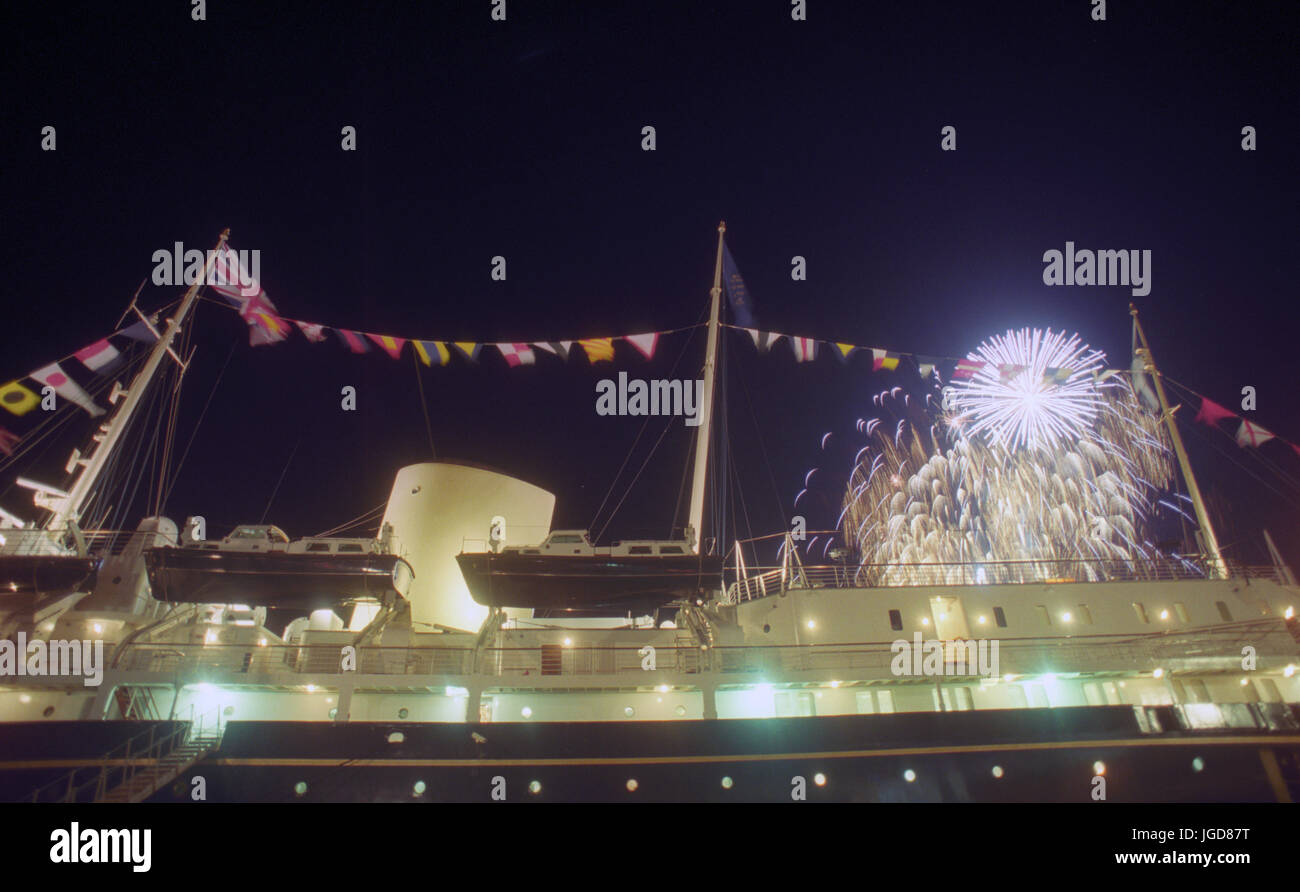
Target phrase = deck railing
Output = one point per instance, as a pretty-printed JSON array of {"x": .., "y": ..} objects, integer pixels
[
  {"x": 760, "y": 582},
  {"x": 1216, "y": 648}
]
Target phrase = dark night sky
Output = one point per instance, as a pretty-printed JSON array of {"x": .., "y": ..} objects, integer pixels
[{"x": 478, "y": 138}]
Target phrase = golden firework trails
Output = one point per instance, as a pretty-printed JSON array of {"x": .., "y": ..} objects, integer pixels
[{"x": 1052, "y": 469}]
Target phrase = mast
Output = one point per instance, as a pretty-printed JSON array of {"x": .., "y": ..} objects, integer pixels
[
  {"x": 694, "y": 530},
  {"x": 67, "y": 509},
  {"x": 1211, "y": 542}
]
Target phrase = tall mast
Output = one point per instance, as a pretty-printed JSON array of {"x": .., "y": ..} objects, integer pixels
[
  {"x": 1211, "y": 541},
  {"x": 706, "y": 404},
  {"x": 67, "y": 509}
]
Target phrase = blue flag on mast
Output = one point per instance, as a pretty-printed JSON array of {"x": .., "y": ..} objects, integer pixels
[{"x": 737, "y": 296}]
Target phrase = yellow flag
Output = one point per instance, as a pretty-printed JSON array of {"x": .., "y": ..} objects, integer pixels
[
  {"x": 18, "y": 399},
  {"x": 598, "y": 349}
]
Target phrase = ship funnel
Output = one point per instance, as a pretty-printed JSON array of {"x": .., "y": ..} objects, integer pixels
[{"x": 437, "y": 510}]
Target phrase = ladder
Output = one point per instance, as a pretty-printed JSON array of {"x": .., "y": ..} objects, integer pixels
[{"x": 137, "y": 769}]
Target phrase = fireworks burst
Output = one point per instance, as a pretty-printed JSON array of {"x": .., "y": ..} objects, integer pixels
[
  {"x": 1013, "y": 468},
  {"x": 1034, "y": 388}
]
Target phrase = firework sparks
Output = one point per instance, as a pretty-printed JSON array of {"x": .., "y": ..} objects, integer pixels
[
  {"x": 1034, "y": 389},
  {"x": 1031, "y": 467}
]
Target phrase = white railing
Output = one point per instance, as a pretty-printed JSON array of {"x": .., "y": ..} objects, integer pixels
[
  {"x": 760, "y": 582},
  {"x": 1079, "y": 653}
]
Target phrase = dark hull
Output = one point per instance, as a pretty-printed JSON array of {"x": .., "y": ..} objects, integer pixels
[
  {"x": 45, "y": 575},
  {"x": 1045, "y": 755},
  {"x": 275, "y": 579},
  {"x": 586, "y": 582}
]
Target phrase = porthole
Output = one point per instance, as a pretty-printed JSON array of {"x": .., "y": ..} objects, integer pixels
[
  {"x": 396, "y": 737},
  {"x": 300, "y": 788},
  {"x": 766, "y": 627},
  {"x": 403, "y": 712},
  {"x": 334, "y": 712},
  {"x": 49, "y": 711}
]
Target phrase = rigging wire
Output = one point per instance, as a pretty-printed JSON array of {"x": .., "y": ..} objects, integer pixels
[
  {"x": 767, "y": 463},
  {"x": 718, "y": 483},
  {"x": 644, "y": 425},
  {"x": 199, "y": 423},
  {"x": 52, "y": 422},
  {"x": 1255, "y": 454},
  {"x": 424, "y": 405},
  {"x": 1232, "y": 458},
  {"x": 267, "y": 509},
  {"x": 173, "y": 417},
  {"x": 636, "y": 476},
  {"x": 365, "y": 517}
]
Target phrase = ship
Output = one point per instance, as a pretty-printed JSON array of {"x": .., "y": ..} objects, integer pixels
[{"x": 471, "y": 668}]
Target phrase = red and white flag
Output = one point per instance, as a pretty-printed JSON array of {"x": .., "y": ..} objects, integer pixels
[
  {"x": 241, "y": 289},
  {"x": 54, "y": 376},
  {"x": 645, "y": 343},
  {"x": 517, "y": 354},
  {"x": 99, "y": 357},
  {"x": 805, "y": 349},
  {"x": 1252, "y": 434},
  {"x": 229, "y": 278},
  {"x": 312, "y": 331},
  {"x": 966, "y": 368}
]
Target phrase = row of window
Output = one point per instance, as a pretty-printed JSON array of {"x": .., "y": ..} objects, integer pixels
[{"x": 1084, "y": 615}]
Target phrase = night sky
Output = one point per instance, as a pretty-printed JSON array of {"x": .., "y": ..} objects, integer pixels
[{"x": 522, "y": 138}]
